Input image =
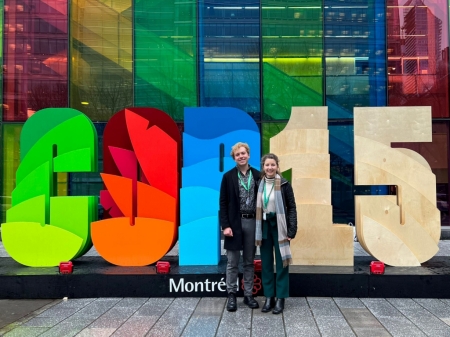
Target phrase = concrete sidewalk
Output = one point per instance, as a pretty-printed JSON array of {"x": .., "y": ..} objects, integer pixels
[{"x": 195, "y": 317}]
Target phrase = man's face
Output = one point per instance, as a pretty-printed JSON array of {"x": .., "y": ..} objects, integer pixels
[{"x": 241, "y": 156}]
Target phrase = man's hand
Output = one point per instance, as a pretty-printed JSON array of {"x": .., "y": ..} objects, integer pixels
[{"x": 228, "y": 232}]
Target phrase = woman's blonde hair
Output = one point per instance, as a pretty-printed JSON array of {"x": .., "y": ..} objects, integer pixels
[
  {"x": 236, "y": 146},
  {"x": 270, "y": 156}
]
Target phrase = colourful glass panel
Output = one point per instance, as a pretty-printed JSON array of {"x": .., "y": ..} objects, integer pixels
[
  {"x": 35, "y": 57},
  {"x": 101, "y": 57},
  {"x": 355, "y": 55},
  {"x": 292, "y": 48},
  {"x": 1, "y": 53},
  {"x": 10, "y": 163},
  {"x": 165, "y": 47},
  {"x": 270, "y": 130},
  {"x": 229, "y": 55},
  {"x": 418, "y": 54}
]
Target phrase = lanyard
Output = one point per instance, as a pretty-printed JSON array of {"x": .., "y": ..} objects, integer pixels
[
  {"x": 249, "y": 181},
  {"x": 266, "y": 198}
]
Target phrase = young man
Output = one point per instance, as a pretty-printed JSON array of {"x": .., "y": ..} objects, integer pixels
[{"x": 237, "y": 219}]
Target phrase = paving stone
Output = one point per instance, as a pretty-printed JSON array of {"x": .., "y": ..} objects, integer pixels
[
  {"x": 119, "y": 312},
  {"x": 43, "y": 322},
  {"x": 381, "y": 308},
  {"x": 425, "y": 320},
  {"x": 350, "y": 303},
  {"x": 437, "y": 333},
  {"x": 131, "y": 302},
  {"x": 361, "y": 318},
  {"x": 14, "y": 310},
  {"x": 95, "y": 309},
  {"x": 107, "y": 323},
  {"x": 25, "y": 332},
  {"x": 435, "y": 306},
  {"x": 154, "y": 307},
  {"x": 298, "y": 319},
  {"x": 66, "y": 329},
  {"x": 58, "y": 312},
  {"x": 323, "y": 307},
  {"x": 334, "y": 326},
  {"x": 400, "y": 326},
  {"x": 96, "y": 332},
  {"x": 201, "y": 326},
  {"x": 210, "y": 306},
  {"x": 267, "y": 324},
  {"x": 404, "y": 303},
  {"x": 206, "y": 317},
  {"x": 107, "y": 300},
  {"x": 236, "y": 323},
  {"x": 74, "y": 303},
  {"x": 371, "y": 332},
  {"x": 135, "y": 326},
  {"x": 79, "y": 320},
  {"x": 174, "y": 319}
]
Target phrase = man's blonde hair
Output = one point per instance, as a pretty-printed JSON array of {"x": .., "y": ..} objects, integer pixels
[{"x": 236, "y": 146}]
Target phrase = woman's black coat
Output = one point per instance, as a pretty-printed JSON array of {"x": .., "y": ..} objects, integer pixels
[
  {"x": 229, "y": 212},
  {"x": 290, "y": 209}
]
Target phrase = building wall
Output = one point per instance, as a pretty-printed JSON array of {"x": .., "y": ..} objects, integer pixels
[{"x": 263, "y": 57}]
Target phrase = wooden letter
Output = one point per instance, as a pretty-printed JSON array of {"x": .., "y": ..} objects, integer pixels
[
  {"x": 303, "y": 147},
  {"x": 401, "y": 230}
]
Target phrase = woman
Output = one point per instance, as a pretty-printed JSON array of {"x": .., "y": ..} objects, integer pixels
[{"x": 276, "y": 225}]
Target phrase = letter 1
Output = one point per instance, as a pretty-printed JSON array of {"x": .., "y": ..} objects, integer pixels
[
  {"x": 303, "y": 147},
  {"x": 206, "y": 132}
]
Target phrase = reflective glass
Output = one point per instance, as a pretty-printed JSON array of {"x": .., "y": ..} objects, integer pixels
[
  {"x": 10, "y": 163},
  {"x": 270, "y": 130},
  {"x": 165, "y": 47},
  {"x": 418, "y": 54},
  {"x": 35, "y": 57},
  {"x": 101, "y": 57},
  {"x": 229, "y": 55},
  {"x": 355, "y": 55},
  {"x": 292, "y": 48}
]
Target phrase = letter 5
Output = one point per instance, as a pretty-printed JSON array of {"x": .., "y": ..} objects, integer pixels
[{"x": 401, "y": 230}]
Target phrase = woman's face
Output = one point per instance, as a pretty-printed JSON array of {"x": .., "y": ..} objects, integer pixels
[{"x": 270, "y": 168}]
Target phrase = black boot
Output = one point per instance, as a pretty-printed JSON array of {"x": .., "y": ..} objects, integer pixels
[
  {"x": 269, "y": 304},
  {"x": 251, "y": 302},
  {"x": 231, "y": 305},
  {"x": 279, "y": 306}
]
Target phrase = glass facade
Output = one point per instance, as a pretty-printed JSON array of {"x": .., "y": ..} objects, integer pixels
[
  {"x": 292, "y": 47},
  {"x": 418, "y": 54},
  {"x": 229, "y": 55},
  {"x": 260, "y": 56},
  {"x": 165, "y": 55},
  {"x": 355, "y": 55},
  {"x": 101, "y": 81},
  {"x": 35, "y": 57}
]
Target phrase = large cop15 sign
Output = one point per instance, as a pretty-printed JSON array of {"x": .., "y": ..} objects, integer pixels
[{"x": 147, "y": 211}]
